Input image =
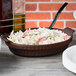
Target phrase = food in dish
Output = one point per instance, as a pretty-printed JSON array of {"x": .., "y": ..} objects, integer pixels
[{"x": 40, "y": 36}]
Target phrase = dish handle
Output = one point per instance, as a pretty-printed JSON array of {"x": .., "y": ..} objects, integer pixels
[
  {"x": 5, "y": 39},
  {"x": 69, "y": 31}
]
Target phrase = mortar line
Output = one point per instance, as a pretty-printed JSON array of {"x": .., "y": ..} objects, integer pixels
[
  {"x": 49, "y": 11},
  {"x": 64, "y": 24},
  {"x": 48, "y": 2},
  {"x": 37, "y": 7},
  {"x": 48, "y": 20}
]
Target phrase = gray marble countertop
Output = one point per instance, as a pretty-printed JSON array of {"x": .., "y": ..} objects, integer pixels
[{"x": 12, "y": 65}]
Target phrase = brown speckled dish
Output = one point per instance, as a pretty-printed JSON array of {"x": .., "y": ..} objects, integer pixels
[{"x": 39, "y": 50}]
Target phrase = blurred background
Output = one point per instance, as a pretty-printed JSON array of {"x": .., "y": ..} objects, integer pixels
[
  {"x": 25, "y": 14},
  {"x": 40, "y": 13}
]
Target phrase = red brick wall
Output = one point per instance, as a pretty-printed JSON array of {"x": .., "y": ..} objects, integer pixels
[{"x": 40, "y": 13}]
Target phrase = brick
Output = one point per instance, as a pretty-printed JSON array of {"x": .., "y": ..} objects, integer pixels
[
  {"x": 64, "y": 15},
  {"x": 31, "y": 25},
  {"x": 37, "y": 16},
  {"x": 71, "y": 6},
  {"x": 48, "y": 7},
  {"x": 37, "y": 0},
  {"x": 71, "y": 24},
  {"x": 44, "y": 24},
  {"x": 64, "y": 0},
  {"x": 56, "y": 25},
  {"x": 30, "y": 7}
]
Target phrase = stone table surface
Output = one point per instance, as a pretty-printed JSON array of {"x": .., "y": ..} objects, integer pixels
[{"x": 12, "y": 65}]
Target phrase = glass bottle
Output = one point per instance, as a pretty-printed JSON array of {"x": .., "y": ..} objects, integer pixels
[
  {"x": 19, "y": 15},
  {"x": 6, "y": 16},
  {"x": 19, "y": 21}
]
